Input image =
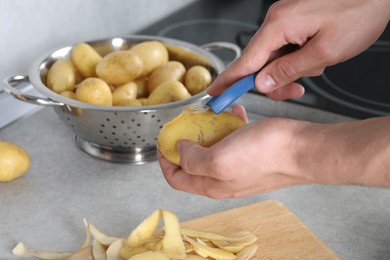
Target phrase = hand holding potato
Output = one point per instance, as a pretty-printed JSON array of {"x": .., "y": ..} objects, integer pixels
[
  {"x": 240, "y": 164},
  {"x": 202, "y": 127}
]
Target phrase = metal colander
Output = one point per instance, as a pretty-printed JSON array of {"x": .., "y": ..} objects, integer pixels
[{"x": 116, "y": 134}]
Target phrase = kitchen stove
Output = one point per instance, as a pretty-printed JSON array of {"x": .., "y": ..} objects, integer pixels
[{"x": 359, "y": 87}]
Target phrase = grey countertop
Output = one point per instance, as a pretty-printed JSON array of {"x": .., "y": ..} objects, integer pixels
[{"x": 45, "y": 208}]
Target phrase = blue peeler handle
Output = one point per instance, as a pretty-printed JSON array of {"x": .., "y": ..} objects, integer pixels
[{"x": 219, "y": 103}]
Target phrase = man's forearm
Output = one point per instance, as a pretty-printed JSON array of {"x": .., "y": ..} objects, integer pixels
[{"x": 356, "y": 152}]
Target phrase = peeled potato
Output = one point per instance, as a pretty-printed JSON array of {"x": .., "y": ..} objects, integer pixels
[
  {"x": 85, "y": 58},
  {"x": 153, "y": 54},
  {"x": 14, "y": 161},
  {"x": 61, "y": 76},
  {"x": 119, "y": 67},
  {"x": 202, "y": 127},
  {"x": 94, "y": 91},
  {"x": 197, "y": 79},
  {"x": 172, "y": 70},
  {"x": 169, "y": 91}
]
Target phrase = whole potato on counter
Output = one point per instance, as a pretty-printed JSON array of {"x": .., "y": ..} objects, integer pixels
[
  {"x": 125, "y": 91},
  {"x": 172, "y": 70},
  {"x": 94, "y": 91},
  {"x": 61, "y": 76},
  {"x": 153, "y": 54},
  {"x": 197, "y": 79},
  {"x": 202, "y": 127},
  {"x": 169, "y": 91},
  {"x": 119, "y": 67},
  {"x": 14, "y": 161},
  {"x": 85, "y": 58}
]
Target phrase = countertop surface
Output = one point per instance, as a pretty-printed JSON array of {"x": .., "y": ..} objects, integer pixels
[{"x": 45, "y": 208}]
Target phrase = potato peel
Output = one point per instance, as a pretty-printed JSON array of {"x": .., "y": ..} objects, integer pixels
[
  {"x": 169, "y": 242},
  {"x": 101, "y": 237},
  {"x": 216, "y": 253},
  {"x": 98, "y": 251},
  {"x": 21, "y": 250}
]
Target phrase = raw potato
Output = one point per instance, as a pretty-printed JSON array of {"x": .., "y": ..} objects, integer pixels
[
  {"x": 68, "y": 94},
  {"x": 142, "y": 91},
  {"x": 124, "y": 92},
  {"x": 169, "y": 91},
  {"x": 85, "y": 58},
  {"x": 153, "y": 54},
  {"x": 188, "y": 58},
  {"x": 202, "y": 127},
  {"x": 14, "y": 161},
  {"x": 119, "y": 67},
  {"x": 131, "y": 102},
  {"x": 61, "y": 76},
  {"x": 94, "y": 91},
  {"x": 197, "y": 79},
  {"x": 172, "y": 70}
]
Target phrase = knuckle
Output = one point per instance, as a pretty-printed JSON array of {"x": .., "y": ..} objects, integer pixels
[
  {"x": 275, "y": 11},
  {"x": 325, "y": 54},
  {"x": 286, "y": 70}
]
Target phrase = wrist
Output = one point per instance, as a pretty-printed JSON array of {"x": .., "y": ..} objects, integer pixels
[{"x": 353, "y": 152}]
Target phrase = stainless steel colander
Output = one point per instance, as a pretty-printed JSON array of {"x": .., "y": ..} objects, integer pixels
[{"x": 116, "y": 134}]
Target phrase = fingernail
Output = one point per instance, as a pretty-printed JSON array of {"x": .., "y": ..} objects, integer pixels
[{"x": 266, "y": 83}]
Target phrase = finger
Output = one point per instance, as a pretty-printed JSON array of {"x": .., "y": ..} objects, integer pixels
[
  {"x": 194, "y": 158},
  {"x": 240, "y": 111},
  {"x": 292, "y": 90},
  {"x": 252, "y": 59},
  {"x": 310, "y": 60}
]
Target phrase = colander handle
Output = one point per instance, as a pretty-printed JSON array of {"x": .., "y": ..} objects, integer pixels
[
  {"x": 214, "y": 46},
  {"x": 11, "y": 82}
]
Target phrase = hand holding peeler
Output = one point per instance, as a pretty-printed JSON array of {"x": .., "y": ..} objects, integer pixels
[{"x": 218, "y": 103}]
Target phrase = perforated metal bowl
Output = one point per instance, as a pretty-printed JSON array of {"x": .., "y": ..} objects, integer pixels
[{"x": 116, "y": 134}]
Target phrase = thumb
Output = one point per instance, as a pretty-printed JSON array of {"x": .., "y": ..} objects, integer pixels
[
  {"x": 193, "y": 157},
  {"x": 309, "y": 60}
]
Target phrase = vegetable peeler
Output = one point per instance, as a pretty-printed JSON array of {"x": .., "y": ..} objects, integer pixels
[{"x": 218, "y": 103}]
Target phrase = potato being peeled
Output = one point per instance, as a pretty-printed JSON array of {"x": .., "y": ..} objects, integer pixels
[
  {"x": 94, "y": 91},
  {"x": 14, "y": 161},
  {"x": 119, "y": 67},
  {"x": 202, "y": 127}
]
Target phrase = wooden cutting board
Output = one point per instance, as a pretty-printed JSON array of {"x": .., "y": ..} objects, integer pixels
[{"x": 280, "y": 234}]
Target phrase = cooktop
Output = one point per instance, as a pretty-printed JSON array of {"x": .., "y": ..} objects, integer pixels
[{"x": 359, "y": 87}]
